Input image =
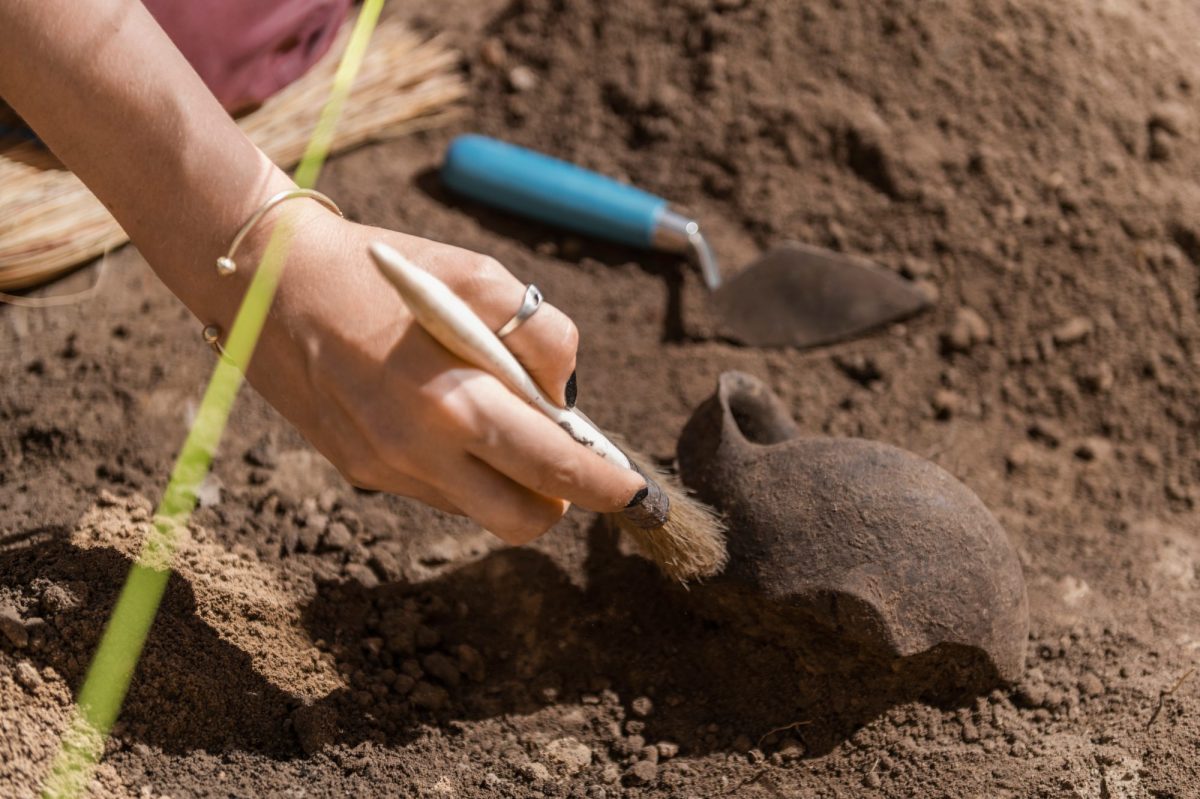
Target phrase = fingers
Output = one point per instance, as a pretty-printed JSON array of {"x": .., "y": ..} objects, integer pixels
[
  {"x": 383, "y": 478},
  {"x": 367, "y": 465},
  {"x": 530, "y": 449},
  {"x": 546, "y": 346},
  {"x": 501, "y": 506},
  {"x": 545, "y": 343}
]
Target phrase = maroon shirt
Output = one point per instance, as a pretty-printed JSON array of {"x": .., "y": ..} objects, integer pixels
[{"x": 246, "y": 50}]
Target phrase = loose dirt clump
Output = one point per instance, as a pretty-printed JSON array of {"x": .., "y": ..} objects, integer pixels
[{"x": 1031, "y": 162}]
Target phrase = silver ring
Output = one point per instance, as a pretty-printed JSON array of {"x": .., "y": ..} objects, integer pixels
[{"x": 529, "y": 305}]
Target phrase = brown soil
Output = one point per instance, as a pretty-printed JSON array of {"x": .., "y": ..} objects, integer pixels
[{"x": 1031, "y": 161}]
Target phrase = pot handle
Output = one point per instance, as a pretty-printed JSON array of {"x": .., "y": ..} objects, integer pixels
[
  {"x": 729, "y": 428},
  {"x": 752, "y": 414}
]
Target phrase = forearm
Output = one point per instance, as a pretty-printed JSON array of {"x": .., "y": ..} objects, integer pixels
[{"x": 110, "y": 95}]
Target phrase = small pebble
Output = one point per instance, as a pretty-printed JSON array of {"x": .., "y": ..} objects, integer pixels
[
  {"x": 1091, "y": 685},
  {"x": 1094, "y": 448},
  {"x": 429, "y": 696},
  {"x": 633, "y": 744},
  {"x": 667, "y": 749},
  {"x": 1096, "y": 378},
  {"x": 384, "y": 564},
  {"x": 946, "y": 404},
  {"x": 570, "y": 753},
  {"x": 1169, "y": 117},
  {"x": 12, "y": 628},
  {"x": 1032, "y": 695},
  {"x": 860, "y": 368},
  {"x": 337, "y": 536},
  {"x": 441, "y": 667},
  {"x": 1048, "y": 431},
  {"x": 308, "y": 539},
  {"x": 929, "y": 289},
  {"x": 262, "y": 453},
  {"x": 1073, "y": 331},
  {"x": 642, "y": 706},
  {"x": 642, "y": 772},
  {"x": 493, "y": 52},
  {"x": 1019, "y": 456},
  {"x": 790, "y": 749},
  {"x": 327, "y": 500},
  {"x": 315, "y": 727},
  {"x": 362, "y": 575},
  {"x": 28, "y": 676},
  {"x": 470, "y": 663},
  {"x": 522, "y": 79},
  {"x": 535, "y": 772},
  {"x": 914, "y": 268},
  {"x": 1162, "y": 145},
  {"x": 967, "y": 329}
]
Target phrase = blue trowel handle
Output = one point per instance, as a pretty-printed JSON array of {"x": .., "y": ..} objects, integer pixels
[{"x": 549, "y": 190}]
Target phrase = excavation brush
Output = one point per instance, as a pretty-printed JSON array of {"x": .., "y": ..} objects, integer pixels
[
  {"x": 684, "y": 536},
  {"x": 793, "y": 295}
]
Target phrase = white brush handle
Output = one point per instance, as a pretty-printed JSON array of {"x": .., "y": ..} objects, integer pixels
[{"x": 457, "y": 328}]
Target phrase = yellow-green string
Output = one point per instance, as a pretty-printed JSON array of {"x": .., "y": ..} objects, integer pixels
[{"x": 108, "y": 678}]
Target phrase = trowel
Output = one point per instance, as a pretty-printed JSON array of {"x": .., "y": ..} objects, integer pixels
[{"x": 793, "y": 295}]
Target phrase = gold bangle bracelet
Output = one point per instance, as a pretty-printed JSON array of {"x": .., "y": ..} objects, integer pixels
[{"x": 226, "y": 265}]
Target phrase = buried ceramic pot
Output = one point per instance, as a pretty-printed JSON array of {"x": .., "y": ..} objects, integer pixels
[{"x": 872, "y": 541}]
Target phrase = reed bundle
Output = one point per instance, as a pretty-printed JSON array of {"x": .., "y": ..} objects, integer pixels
[{"x": 50, "y": 223}]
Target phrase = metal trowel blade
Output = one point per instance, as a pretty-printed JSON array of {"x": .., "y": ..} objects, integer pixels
[{"x": 801, "y": 296}]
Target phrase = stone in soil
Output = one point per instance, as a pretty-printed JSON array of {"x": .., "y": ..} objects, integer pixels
[
  {"x": 1073, "y": 331},
  {"x": 429, "y": 696},
  {"x": 441, "y": 667},
  {"x": 966, "y": 330},
  {"x": 12, "y": 627},
  {"x": 27, "y": 675},
  {"x": 315, "y": 726},
  {"x": 642, "y": 772},
  {"x": 570, "y": 753}
]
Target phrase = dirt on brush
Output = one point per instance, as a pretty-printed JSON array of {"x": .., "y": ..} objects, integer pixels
[{"x": 1031, "y": 162}]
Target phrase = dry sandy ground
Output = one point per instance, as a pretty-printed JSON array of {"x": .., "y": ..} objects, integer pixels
[{"x": 1032, "y": 162}]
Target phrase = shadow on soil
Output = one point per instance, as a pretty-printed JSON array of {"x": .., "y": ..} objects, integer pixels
[
  {"x": 541, "y": 639},
  {"x": 705, "y": 657},
  {"x": 570, "y": 247},
  {"x": 191, "y": 690}
]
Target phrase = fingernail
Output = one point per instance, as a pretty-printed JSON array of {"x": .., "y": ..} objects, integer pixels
[
  {"x": 571, "y": 392},
  {"x": 649, "y": 508}
]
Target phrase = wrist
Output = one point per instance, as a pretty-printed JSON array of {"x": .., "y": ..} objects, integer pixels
[{"x": 272, "y": 229}]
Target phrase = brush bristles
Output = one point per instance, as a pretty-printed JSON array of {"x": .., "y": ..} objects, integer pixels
[{"x": 690, "y": 545}]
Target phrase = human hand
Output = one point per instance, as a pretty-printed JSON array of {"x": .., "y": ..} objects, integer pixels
[{"x": 343, "y": 360}]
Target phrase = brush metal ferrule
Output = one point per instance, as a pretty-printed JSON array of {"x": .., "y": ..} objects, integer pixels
[
  {"x": 652, "y": 509},
  {"x": 675, "y": 232}
]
